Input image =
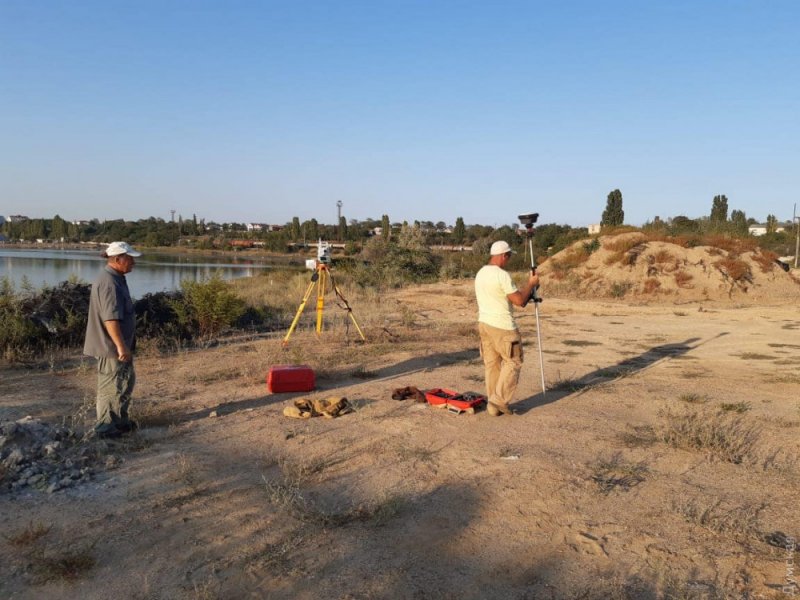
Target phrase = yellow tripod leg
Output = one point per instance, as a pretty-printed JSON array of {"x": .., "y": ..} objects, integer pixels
[
  {"x": 321, "y": 298},
  {"x": 306, "y": 296}
]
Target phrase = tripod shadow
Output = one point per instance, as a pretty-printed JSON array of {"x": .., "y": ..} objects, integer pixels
[
  {"x": 625, "y": 368},
  {"x": 424, "y": 363}
]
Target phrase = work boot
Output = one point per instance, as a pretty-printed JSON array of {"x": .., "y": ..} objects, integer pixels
[
  {"x": 505, "y": 409},
  {"x": 108, "y": 433},
  {"x": 127, "y": 427}
]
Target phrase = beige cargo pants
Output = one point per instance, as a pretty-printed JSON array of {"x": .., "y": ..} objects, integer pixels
[
  {"x": 501, "y": 350},
  {"x": 115, "y": 381}
]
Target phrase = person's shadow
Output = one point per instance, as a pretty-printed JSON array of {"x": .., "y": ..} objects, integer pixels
[{"x": 624, "y": 368}]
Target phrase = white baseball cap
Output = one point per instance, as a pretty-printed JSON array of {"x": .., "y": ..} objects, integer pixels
[
  {"x": 117, "y": 248},
  {"x": 500, "y": 247}
]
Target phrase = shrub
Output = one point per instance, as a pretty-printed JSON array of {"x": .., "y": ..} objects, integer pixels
[
  {"x": 663, "y": 256},
  {"x": 390, "y": 264},
  {"x": 616, "y": 473},
  {"x": 573, "y": 258},
  {"x": 766, "y": 260},
  {"x": 731, "y": 244},
  {"x": 620, "y": 288},
  {"x": 651, "y": 285},
  {"x": 734, "y": 269},
  {"x": 682, "y": 278},
  {"x": 727, "y": 437},
  {"x": 593, "y": 246},
  {"x": 208, "y": 306},
  {"x": 32, "y": 321}
]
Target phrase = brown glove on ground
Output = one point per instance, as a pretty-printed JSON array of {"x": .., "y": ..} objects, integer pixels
[{"x": 408, "y": 392}]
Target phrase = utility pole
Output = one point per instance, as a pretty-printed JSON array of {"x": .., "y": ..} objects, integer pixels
[
  {"x": 172, "y": 212},
  {"x": 338, "y": 219},
  {"x": 796, "y": 220}
]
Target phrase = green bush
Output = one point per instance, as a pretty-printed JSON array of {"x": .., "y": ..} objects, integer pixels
[
  {"x": 31, "y": 321},
  {"x": 390, "y": 264},
  {"x": 208, "y": 307}
]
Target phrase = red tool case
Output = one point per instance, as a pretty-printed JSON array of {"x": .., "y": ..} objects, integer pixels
[
  {"x": 454, "y": 401},
  {"x": 290, "y": 378}
]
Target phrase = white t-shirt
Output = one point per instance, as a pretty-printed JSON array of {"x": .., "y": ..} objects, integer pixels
[{"x": 492, "y": 287}]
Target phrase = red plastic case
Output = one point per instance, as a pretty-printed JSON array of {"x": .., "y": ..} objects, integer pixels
[
  {"x": 290, "y": 378},
  {"x": 455, "y": 401}
]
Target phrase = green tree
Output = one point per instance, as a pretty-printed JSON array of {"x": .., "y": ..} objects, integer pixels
[
  {"x": 311, "y": 230},
  {"x": 294, "y": 230},
  {"x": 738, "y": 223},
  {"x": 386, "y": 228},
  {"x": 772, "y": 223},
  {"x": 719, "y": 212},
  {"x": 342, "y": 228},
  {"x": 613, "y": 215},
  {"x": 459, "y": 231},
  {"x": 58, "y": 228}
]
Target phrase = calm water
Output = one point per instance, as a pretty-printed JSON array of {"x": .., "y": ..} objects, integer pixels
[{"x": 152, "y": 273}]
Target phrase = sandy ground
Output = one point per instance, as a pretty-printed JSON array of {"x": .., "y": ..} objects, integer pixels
[{"x": 661, "y": 463}]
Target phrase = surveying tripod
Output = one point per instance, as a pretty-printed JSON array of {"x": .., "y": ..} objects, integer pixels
[{"x": 320, "y": 278}]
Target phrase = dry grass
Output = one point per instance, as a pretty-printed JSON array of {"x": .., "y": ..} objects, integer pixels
[
  {"x": 618, "y": 289},
  {"x": 580, "y": 343},
  {"x": 734, "y": 269},
  {"x": 731, "y": 244},
  {"x": 287, "y": 495},
  {"x": 737, "y": 407},
  {"x": 651, "y": 284},
  {"x": 624, "y": 250},
  {"x": 61, "y": 564},
  {"x": 663, "y": 257},
  {"x": 742, "y": 521},
  {"x": 723, "y": 436},
  {"x": 765, "y": 259},
  {"x": 569, "y": 384},
  {"x": 32, "y": 533},
  {"x": 682, "y": 279},
  {"x": 755, "y": 356},
  {"x": 616, "y": 473},
  {"x": 186, "y": 471},
  {"x": 571, "y": 259},
  {"x": 639, "y": 436},
  {"x": 693, "y": 398},
  {"x": 361, "y": 372}
]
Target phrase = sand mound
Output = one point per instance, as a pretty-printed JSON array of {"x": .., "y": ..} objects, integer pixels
[{"x": 633, "y": 265}]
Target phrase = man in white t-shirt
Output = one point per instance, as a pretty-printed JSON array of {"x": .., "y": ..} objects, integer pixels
[{"x": 501, "y": 344}]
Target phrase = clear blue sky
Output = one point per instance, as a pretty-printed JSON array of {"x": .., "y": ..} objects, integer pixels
[{"x": 261, "y": 111}]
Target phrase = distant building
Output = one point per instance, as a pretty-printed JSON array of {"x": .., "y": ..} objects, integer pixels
[
  {"x": 758, "y": 229},
  {"x": 2, "y": 219},
  {"x": 17, "y": 218},
  {"x": 80, "y": 223},
  {"x": 256, "y": 226},
  {"x": 593, "y": 229}
]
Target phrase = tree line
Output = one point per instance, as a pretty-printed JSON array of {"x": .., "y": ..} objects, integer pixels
[{"x": 549, "y": 238}]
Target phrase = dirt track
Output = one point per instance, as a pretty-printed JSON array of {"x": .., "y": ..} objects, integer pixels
[{"x": 579, "y": 495}]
